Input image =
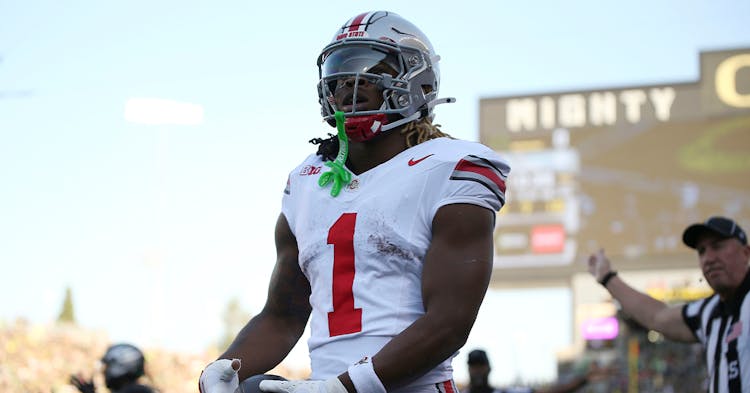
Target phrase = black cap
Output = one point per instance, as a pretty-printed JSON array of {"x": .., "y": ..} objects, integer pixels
[
  {"x": 721, "y": 226},
  {"x": 478, "y": 356}
]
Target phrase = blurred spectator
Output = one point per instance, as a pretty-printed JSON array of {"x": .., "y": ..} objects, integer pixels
[
  {"x": 479, "y": 373},
  {"x": 124, "y": 365}
]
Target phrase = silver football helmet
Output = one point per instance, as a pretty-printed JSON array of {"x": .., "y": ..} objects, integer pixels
[{"x": 384, "y": 49}]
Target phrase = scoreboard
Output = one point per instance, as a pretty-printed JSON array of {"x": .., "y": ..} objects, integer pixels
[
  {"x": 542, "y": 209},
  {"x": 624, "y": 168}
]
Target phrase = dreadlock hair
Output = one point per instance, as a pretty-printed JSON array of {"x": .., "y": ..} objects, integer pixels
[
  {"x": 415, "y": 133},
  {"x": 422, "y": 130},
  {"x": 327, "y": 148}
]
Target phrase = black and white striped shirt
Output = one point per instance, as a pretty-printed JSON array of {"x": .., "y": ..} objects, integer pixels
[{"x": 723, "y": 327}]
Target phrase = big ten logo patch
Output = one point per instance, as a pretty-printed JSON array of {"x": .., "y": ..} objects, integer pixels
[{"x": 310, "y": 170}]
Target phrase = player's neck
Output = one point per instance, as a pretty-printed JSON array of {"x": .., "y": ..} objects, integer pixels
[{"x": 367, "y": 155}]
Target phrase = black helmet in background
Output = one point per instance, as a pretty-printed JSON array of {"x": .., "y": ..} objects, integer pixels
[{"x": 123, "y": 364}]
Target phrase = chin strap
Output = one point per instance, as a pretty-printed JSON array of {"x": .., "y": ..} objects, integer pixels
[
  {"x": 338, "y": 174},
  {"x": 418, "y": 114},
  {"x": 414, "y": 116}
]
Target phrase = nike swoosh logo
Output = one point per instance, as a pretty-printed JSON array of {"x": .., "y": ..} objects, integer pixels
[{"x": 413, "y": 162}]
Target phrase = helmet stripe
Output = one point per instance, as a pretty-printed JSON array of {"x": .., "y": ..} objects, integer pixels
[{"x": 359, "y": 22}]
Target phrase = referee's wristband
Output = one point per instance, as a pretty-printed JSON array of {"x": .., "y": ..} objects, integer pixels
[
  {"x": 605, "y": 280},
  {"x": 364, "y": 378}
]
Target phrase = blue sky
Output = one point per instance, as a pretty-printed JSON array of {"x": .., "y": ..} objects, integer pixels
[{"x": 156, "y": 227}]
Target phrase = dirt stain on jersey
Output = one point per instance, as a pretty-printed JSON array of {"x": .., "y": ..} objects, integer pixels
[
  {"x": 390, "y": 249},
  {"x": 308, "y": 256}
]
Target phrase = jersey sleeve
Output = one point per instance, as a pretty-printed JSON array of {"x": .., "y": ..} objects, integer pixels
[{"x": 477, "y": 178}]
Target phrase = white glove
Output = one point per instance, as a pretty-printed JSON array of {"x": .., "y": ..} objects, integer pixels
[
  {"x": 220, "y": 376},
  {"x": 599, "y": 265},
  {"x": 332, "y": 385}
]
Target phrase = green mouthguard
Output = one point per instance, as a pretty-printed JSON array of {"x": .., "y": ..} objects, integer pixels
[{"x": 338, "y": 175}]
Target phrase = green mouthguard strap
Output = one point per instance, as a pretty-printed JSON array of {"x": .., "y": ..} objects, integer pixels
[{"x": 338, "y": 174}]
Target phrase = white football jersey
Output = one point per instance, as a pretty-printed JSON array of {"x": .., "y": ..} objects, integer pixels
[{"x": 363, "y": 250}]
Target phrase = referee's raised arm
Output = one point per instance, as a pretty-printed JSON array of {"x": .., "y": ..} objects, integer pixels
[{"x": 649, "y": 312}]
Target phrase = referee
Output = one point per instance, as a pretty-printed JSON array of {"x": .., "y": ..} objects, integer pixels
[{"x": 720, "y": 322}]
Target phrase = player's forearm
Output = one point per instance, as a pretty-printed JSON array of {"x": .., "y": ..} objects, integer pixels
[
  {"x": 263, "y": 343},
  {"x": 421, "y": 347}
]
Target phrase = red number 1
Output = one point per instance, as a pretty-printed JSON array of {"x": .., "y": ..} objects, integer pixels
[{"x": 344, "y": 319}]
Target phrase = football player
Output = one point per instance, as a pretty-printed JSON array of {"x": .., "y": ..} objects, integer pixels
[
  {"x": 123, "y": 367},
  {"x": 385, "y": 237}
]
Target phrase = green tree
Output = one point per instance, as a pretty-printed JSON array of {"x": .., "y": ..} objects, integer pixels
[
  {"x": 67, "y": 314},
  {"x": 235, "y": 317}
]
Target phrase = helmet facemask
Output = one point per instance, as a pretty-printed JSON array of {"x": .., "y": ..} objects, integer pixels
[{"x": 404, "y": 76}]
